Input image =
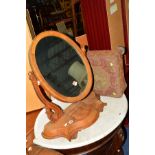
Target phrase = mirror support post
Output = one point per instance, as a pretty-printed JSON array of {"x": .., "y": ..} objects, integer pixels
[
  {"x": 83, "y": 50},
  {"x": 54, "y": 112}
]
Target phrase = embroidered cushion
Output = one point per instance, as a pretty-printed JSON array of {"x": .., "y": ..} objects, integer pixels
[{"x": 107, "y": 66}]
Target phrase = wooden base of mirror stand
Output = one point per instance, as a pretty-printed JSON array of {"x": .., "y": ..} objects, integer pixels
[{"x": 76, "y": 117}]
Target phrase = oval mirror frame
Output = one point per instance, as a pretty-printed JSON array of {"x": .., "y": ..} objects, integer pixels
[{"x": 43, "y": 82}]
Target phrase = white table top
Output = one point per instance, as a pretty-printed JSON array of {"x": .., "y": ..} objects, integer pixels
[{"x": 111, "y": 117}]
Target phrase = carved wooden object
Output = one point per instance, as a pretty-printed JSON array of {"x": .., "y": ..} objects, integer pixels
[
  {"x": 79, "y": 115},
  {"x": 75, "y": 118},
  {"x": 54, "y": 112}
]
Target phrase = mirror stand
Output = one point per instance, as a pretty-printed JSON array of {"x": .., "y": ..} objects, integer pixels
[
  {"x": 61, "y": 69},
  {"x": 74, "y": 118}
]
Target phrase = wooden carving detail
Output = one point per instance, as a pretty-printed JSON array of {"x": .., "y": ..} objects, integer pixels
[
  {"x": 76, "y": 117},
  {"x": 54, "y": 112}
]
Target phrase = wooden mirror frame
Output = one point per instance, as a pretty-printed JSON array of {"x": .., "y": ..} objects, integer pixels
[{"x": 43, "y": 82}]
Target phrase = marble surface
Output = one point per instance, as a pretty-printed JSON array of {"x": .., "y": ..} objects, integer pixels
[{"x": 109, "y": 119}]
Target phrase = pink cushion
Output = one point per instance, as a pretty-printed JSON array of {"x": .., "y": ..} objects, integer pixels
[{"x": 107, "y": 66}]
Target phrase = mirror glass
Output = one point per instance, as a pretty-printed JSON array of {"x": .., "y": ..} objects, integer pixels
[{"x": 61, "y": 66}]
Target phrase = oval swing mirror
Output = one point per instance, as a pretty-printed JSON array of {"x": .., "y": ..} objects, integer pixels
[{"x": 60, "y": 66}]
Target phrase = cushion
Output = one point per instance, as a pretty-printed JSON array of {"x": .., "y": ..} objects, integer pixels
[{"x": 107, "y": 66}]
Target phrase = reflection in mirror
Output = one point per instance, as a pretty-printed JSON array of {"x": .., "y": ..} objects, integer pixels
[{"x": 61, "y": 66}]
